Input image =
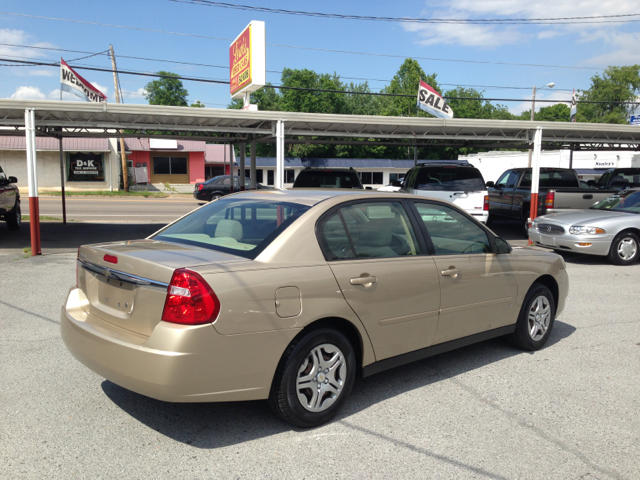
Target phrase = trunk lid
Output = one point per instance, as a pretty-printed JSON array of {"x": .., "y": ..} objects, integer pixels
[{"x": 131, "y": 293}]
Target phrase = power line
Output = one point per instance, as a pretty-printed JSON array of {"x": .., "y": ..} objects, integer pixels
[
  {"x": 468, "y": 21},
  {"x": 326, "y": 50},
  {"x": 497, "y": 87},
  {"x": 283, "y": 87}
]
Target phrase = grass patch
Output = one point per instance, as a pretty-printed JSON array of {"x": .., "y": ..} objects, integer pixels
[
  {"x": 106, "y": 193},
  {"x": 27, "y": 252},
  {"x": 43, "y": 217}
]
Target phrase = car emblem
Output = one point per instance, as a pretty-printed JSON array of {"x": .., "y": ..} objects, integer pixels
[{"x": 548, "y": 229}]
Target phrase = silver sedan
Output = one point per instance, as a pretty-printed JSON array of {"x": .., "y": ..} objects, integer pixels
[{"x": 610, "y": 228}]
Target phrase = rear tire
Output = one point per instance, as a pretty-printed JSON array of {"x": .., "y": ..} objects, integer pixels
[
  {"x": 625, "y": 249},
  {"x": 215, "y": 197},
  {"x": 314, "y": 378},
  {"x": 14, "y": 217},
  {"x": 536, "y": 319}
]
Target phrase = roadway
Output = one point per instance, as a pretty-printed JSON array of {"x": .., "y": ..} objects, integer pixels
[{"x": 116, "y": 210}]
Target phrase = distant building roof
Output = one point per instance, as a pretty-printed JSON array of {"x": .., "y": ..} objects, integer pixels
[
  {"x": 292, "y": 162},
  {"x": 220, "y": 153},
  {"x": 143, "y": 145},
  {"x": 51, "y": 144}
]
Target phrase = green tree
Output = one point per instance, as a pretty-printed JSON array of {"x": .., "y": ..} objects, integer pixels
[
  {"x": 477, "y": 107},
  {"x": 616, "y": 84},
  {"x": 406, "y": 82},
  {"x": 166, "y": 91},
  {"x": 559, "y": 112},
  {"x": 198, "y": 104}
]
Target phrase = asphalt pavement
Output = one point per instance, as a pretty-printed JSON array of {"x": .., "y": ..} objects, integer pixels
[{"x": 569, "y": 411}]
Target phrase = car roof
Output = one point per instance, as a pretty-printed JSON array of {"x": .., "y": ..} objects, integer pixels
[{"x": 312, "y": 197}]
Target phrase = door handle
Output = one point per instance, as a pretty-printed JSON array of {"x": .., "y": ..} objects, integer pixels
[
  {"x": 452, "y": 272},
  {"x": 587, "y": 196},
  {"x": 364, "y": 280}
]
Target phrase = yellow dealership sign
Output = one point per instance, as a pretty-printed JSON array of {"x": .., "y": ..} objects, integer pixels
[{"x": 247, "y": 65}]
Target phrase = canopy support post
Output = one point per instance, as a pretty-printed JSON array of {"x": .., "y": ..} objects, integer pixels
[
  {"x": 254, "y": 184},
  {"x": 241, "y": 174},
  {"x": 62, "y": 168},
  {"x": 279, "y": 183},
  {"x": 32, "y": 179},
  {"x": 535, "y": 174}
]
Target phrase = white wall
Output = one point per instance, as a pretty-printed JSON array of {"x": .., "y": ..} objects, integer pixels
[{"x": 493, "y": 164}]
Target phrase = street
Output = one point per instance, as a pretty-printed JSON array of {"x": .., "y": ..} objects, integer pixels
[{"x": 569, "y": 411}]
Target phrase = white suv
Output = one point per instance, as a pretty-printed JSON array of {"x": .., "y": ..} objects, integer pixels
[{"x": 455, "y": 181}]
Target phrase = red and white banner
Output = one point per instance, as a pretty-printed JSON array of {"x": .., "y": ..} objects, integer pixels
[
  {"x": 432, "y": 102},
  {"x": 73, "y": 83}
]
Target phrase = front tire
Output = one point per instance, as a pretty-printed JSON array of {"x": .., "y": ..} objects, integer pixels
[
  {"x": 536, "y": 319},
  {"x": 314, "y": 378},
  {"x": 14, "y": 217},
  {"x": 624, "y": 249}
]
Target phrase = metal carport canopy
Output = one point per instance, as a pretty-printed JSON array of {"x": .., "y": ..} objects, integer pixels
[{"x": 104, "y": 119}]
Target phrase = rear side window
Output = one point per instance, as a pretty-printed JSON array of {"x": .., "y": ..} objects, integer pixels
[
  {"x": 327, "y": 179},
  {"x": 552, "y": 179},
  {"x": 449, "y": 179},
  {"x": 368, "y": 230},
  {"x": 231, "y": 225}
]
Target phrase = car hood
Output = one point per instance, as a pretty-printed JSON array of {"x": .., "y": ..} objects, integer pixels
[{"x": 581, "y": 217}]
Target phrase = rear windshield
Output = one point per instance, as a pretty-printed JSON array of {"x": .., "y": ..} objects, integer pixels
[
  {"x": 327, "y": 179},
  {"x": 552, "y": 179},
  {"x": 450, "y": 178},
  {"x": 234, "y": 225}
]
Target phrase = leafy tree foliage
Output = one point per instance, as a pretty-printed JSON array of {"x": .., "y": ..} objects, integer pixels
[
  {"x": 560, "y": 112},
  {"x": 406, "y": 82},
  {"x": 166, "y": 91},
  {"x": 616, "y": 84},
  {"x": 198, "y": 104},
  {"x": 477, "y": 107}
]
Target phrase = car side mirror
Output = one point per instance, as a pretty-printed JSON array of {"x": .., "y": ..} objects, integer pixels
[
  {"x": 502, "y": 246},
  {"x": 396, "y": 183},
  {"x": 490, "y": 184},
  {"x": 13, "y": 180}
]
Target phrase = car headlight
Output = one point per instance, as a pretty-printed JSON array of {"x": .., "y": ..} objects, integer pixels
[{"x": 578, "y": 230}]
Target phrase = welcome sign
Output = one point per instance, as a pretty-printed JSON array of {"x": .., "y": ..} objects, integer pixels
[
  {"x": 432, "y": 102},
  {"x": 73, "y": 83}
]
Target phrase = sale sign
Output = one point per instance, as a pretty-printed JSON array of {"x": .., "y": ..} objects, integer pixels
[
  {"x": 432, "y": 102},
  {"x": 240, "y": 61},
  {"x": 247, "y": 61}
]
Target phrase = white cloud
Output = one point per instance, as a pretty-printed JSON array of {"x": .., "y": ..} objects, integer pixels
[
  {"x": 30, "y": 72},
  {"x": 558, "y": 97},
  {"x": 625, "y": 51},
  {"x": 104, "y": 90},
  {"x": 20, "y": 37},
  {"x": 137, "y": 94},
  {"x": 28, "y": 93},
  {"x": 495, "y": 35}
]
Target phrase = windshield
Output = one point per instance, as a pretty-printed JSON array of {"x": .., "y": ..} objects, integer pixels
[
  {"x": 234, "y": 225},
  {"x": 449, "y": 179},
  {"x": 327, "y": 179},
  {"x": 625, "y": 201}
]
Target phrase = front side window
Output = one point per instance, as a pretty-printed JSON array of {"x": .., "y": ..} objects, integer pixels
[
  {"x": 239, "y": 226},
  {"x": 369, "y": 230},
  {"x": 451, "y": 232},
  {"x": 507, "y": 180}
]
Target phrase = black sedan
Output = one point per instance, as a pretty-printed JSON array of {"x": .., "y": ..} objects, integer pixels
[{"x": 220, "y": 186}]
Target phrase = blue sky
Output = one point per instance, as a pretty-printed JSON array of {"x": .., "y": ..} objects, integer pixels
[{"x": 583, "y": 47}]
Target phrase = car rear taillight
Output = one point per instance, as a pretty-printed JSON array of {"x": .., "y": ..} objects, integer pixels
[
  {"x": 190, "y": 300},
  {"x": 200, "y": 187},
  {"x": 485, "y": 207},
  {"x": 549, "y": 199},
  {"x": 110, "y": 258}
]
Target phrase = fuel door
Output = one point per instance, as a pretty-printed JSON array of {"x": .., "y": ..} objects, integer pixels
[{"x": 288, "y": 303}]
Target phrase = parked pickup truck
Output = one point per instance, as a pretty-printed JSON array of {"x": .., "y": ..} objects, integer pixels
[
  {"x": 618, "y": 179},
  {"x": 559, "y": 190}
]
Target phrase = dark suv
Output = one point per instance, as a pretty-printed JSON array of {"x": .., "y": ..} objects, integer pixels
[
  {"x": 9, "y": 201},
  {"x": 219, "y": 186},
  {"x": 328, "y": 178}
]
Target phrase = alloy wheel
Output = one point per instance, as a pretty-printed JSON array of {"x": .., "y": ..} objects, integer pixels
[
  {"x": 321, "y": 377},
  {"x": 539, "y": 317},
  {"x": 627, "y": 248}
]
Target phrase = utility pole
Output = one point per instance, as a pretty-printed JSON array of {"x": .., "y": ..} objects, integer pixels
[{"x": 123, "y": 153}]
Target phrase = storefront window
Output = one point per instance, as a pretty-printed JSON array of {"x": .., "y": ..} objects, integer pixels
[
  {"x": 85, "y": 167},
  {"x": 170, "y": 165}
]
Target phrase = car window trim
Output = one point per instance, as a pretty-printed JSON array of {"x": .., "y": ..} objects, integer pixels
[
  {"x": 424, "y": 252},
  {"x": 423, "y": 228}
]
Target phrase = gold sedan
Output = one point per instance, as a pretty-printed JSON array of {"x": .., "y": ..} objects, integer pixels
[{"x": 286, "y": 295}]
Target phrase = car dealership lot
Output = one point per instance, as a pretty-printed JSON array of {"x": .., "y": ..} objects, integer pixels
[{"x": 568, "y": 411}]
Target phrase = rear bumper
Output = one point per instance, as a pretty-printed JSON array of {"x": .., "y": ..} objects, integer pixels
[
  {"x": 482, "y": 216},
  {"x": 598, "y": 244},
  {"x": 176, "y": 363}
]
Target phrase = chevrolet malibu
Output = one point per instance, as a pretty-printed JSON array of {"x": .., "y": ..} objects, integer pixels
[{"x": 287, "y": 295}]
